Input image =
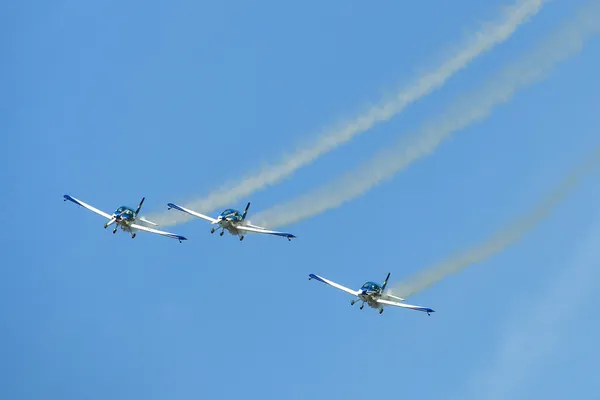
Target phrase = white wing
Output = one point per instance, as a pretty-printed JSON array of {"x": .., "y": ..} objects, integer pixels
[
  {"x": 194, "y": 213},
  {"x": 331, "y": 283},
  {"x": 391, "y": 296},
  {"x": 404, "y": 305},
  {"x": 82, "y": 204},
  {"x": 258, "y": 229},
  {"x": 151, "y": 230},
  {"x": 146, "y": 221}
]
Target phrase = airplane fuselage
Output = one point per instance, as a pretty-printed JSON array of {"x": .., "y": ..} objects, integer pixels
[
  {"x": 230, "y": 226},
  {"x": 370, "y": 299},
  {"x": 369, "y": 293},
  {"x": 123, "y": 217}
]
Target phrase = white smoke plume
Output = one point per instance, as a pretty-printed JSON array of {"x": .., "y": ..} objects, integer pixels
[
  {"x": 534, "y": 65},
  {"x": 490, "y": 35},
  {"x": 541, "y": 331},
  {"x": 501, "y": 239}
]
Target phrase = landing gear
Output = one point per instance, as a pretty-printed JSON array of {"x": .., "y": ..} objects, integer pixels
[
  {"x": 212, "y": 230},
  {"x": 362, "y": 306},
  {"x": 221, "y": 234},
  {"x": 115, "y": 230},
  {"x": 241, "y": 238},
  {"x": 352, "y": 302},
  {"x": 133, "y": 235},
  {"x": 380, "y": 310}
]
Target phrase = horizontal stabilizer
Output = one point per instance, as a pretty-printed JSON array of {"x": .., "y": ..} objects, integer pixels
[{"x": 146, "y": 221}]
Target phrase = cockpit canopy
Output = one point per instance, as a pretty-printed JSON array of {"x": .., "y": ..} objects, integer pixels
[
  {"x": 126, "y": 211},
  {"x": 233, "y": 214},
  {"x": 372, "y": 287}
]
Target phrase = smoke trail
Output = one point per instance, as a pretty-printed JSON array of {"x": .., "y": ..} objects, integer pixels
[
  {"x": 491, "y": 35},
  {"x": 500, "y": 240},
  {"x": 537, "y": 335},
  {"x": 533, "y": 66}
]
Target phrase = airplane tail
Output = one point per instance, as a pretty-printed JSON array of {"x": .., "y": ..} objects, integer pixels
[
  {"x": 385, "y": 282},
  {"x": 140, "y": 206},
  {"x": 245, "y": 212}
]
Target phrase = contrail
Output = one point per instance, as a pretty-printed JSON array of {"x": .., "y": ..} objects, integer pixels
[
  {"x": 533, "y": 66},
  {"x": 501, "y": 239},
  {"x": 488, "y": 37}
]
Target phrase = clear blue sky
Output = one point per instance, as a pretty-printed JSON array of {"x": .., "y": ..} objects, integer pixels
[{"x": 115, "y": 100}]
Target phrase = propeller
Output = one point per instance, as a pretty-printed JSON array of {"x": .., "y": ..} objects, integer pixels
[
  {"x": 110, "y": 222},
  {"x": 140, "y": 206},
  {"x": 113, "y": 220},
  {"x": 385, "y": 282},
  {"x": 245, "y": 212}
]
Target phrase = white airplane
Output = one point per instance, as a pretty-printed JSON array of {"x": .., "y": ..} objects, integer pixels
[
  {"x": 232, "y": 221},
  {"x": 373, "y": 294},
  {"x": 126, "y": 218}
]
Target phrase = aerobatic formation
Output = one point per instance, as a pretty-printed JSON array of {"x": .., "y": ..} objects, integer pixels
[
  {"x": 236, "y": 224},
  {"x": 534, "y": 66}
]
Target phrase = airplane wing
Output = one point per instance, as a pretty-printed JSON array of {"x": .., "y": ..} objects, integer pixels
[
  {"x": 151, "y": 230},
  {"x": 404, "y": 305},
  {"x": 258, "y": 229},
  {"x": 335, "y": 285},
  {"x": 84, "y": 205},
  {"x": 391, "y": 296},
  {"x": 194, "y": 213}
]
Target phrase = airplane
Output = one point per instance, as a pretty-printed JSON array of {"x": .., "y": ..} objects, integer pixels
[
  {"x": 126, "y": 218},
  {"x": 373, "y": 294},
  {"x": 232, "y": 221}
]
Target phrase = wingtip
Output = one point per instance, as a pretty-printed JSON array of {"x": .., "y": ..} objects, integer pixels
[
  {"x": 175, "y": 206},
  {"x": 315, "y": 277},
  {"x": 70, "y": 198}
]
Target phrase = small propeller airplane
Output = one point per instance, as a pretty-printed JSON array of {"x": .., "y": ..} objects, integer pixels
[
  {"x": 373, "y": 294},
  {"x": 232, "y": 221},
  {"x": 126, "y": 218}
]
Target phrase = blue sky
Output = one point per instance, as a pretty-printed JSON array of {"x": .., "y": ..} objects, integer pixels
[{"x": 113, "y": 102}]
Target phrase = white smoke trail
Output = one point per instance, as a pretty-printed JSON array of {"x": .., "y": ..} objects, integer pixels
[
  {"x": 489, "y": 36},
  {"x": 533, "y": 66},
  {"x": 540, "y": 330},
  {"x": 501, "y": 239}
]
